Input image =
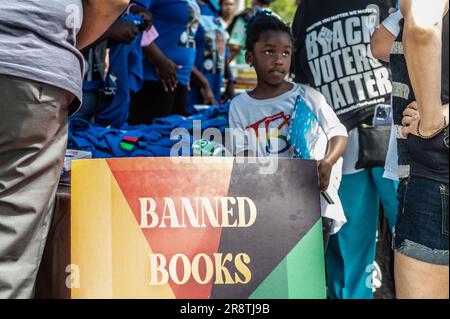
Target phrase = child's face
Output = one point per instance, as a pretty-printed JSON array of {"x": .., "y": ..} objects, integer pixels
[{"x": 271, "y": 57}]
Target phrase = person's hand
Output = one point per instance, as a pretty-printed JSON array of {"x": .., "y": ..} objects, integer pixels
[
  {"x": 145, "y": 14},
  {"x": 123, "y": 31},
  {"x": 410, "y": 119},
  {"x": 167, "y": 73},
  {"x": 324, "y": 168},
  {"x": 207, "y": 94}
]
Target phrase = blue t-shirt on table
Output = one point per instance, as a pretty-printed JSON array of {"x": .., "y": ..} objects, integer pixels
[{"x": 177, "y": 23}]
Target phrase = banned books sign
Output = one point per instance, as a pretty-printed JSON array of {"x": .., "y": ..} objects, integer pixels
[{"x": 156, "y": 228}]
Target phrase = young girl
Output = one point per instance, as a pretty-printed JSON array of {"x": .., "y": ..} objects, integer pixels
[
  {"x": 262, "y": 116},
  {"x": 271, "y": 104}
]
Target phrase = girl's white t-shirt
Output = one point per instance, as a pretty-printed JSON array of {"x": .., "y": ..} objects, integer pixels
[{"x": 262, "y": 126}]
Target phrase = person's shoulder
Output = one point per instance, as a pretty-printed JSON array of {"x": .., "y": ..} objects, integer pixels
[
  {"x": 308, "y": 92},
  {"x": 239, "y": 110},
  {"x": 239, "y": 101},
  {"x": 313, "y": 97}
]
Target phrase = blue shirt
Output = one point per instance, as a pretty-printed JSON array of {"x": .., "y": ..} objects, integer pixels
[
  {"x": 126, "y": 73},
  {"x": 210, "y": 59},
  {"x": 177, "y": 23}
]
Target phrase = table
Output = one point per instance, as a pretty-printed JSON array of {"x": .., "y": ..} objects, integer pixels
[{"x": 52, "y": 275}]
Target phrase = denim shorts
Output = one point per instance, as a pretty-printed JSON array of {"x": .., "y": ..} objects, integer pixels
[{"x": 422, "y": 226}]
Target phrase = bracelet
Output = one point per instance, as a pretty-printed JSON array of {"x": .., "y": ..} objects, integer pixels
[
  {"x": 432, "y": 135},
  {"x": 130, "y": 6}
]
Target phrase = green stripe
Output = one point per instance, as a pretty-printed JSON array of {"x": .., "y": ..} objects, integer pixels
[{"x": 301, "y": 274}]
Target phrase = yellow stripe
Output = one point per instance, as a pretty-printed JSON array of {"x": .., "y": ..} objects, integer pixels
[
  {"x": 91, "y": 236},
  {"x": 106, "y": 242},
  {"x": 131, "y": 255}
]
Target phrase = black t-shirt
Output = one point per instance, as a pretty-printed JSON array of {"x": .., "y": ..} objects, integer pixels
[
  {"x": 429, "y": 157},
  {"x": 402, "y": 96},
  {"x": 332, "y": 54}
]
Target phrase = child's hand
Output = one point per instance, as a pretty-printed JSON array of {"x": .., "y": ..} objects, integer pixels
[{"x": 324, "y": 168}]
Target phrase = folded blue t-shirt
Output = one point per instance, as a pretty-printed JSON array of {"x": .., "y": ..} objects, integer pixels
[{"x": 177, "y": 23}]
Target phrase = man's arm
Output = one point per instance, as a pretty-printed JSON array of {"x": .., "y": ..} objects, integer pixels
[
  {"x": 422, "y": 41},
  {"x": 384, "y": 36},
  {"x": 98, "y": 16},
  {"x": 381, "y": 43}
]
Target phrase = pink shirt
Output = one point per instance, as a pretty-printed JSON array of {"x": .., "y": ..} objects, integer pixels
[{"x": 149, "y": 36}]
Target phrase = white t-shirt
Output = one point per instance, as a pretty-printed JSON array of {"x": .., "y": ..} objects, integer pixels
[
  {"x": 391, "y": 165},
  {"x": 351, "y": 153},
  {"x": 392, "y": 24},
  {"x": 261, "y": 127}
]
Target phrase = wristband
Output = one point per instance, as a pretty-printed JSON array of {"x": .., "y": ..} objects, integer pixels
[{"x": 392, "y": 23}]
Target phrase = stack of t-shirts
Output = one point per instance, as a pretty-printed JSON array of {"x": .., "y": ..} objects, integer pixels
[{"x": 156, "y": 140}]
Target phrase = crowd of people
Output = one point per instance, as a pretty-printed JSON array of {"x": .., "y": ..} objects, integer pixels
[{"x": 349, "y": 64}]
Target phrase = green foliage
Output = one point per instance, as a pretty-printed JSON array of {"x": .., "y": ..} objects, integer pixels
[{"x": 284, "y": 8}]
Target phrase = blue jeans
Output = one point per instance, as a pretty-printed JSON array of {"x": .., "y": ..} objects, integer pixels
[
  {"x": 351, "y": 252},
  {"x": 88, "y": 109},
  {"x": 422, "y": 227}
]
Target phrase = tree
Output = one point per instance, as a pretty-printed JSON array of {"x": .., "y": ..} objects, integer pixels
[{"x": 284, "y": 8}]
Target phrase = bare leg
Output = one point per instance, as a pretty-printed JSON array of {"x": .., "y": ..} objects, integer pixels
[{"x": 415, "y": 279}]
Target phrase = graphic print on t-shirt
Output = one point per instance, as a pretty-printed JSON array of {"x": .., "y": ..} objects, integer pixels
[
  {"x": 187, "y": 38},
  {"x": 215, "y": 46},
  {"x": 271, "y": 133},
  {"x": 305, "y": 133},
  {"x": 341, "y": 63}
]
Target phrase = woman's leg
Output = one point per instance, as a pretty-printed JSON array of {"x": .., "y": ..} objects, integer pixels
[
  {"x": 421, "y": 240},
  {"x": 415, "y": 279}
]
